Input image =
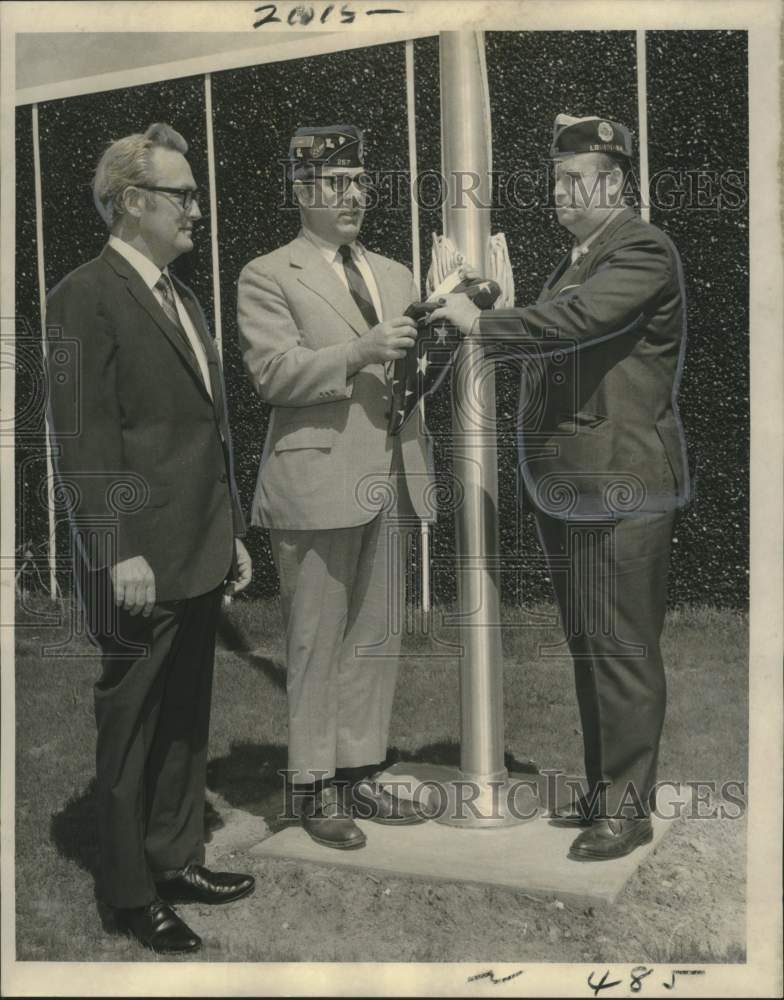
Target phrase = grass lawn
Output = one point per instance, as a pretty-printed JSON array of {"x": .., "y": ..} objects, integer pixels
[{"x": 686, "y": 903}]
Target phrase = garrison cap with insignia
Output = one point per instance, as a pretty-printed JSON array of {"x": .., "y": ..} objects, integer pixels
[
  {"x": 315, "y": 148},
  {"x": 589, "y": 135}
]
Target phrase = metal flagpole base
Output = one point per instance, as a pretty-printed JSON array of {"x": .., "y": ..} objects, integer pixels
[{"x": 481, "y": 803}]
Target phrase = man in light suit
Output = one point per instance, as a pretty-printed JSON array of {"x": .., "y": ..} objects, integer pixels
[
  {"x": 321, "y": 323},
  {"x": 604, "y": 465},
  {"x": 143, "y": 448}
]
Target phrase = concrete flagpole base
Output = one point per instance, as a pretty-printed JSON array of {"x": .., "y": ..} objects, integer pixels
[{"x": 529, "y": 856}]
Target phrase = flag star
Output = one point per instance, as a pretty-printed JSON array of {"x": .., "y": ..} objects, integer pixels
[
  {"x": 409, "y": 392},
  {"x": 484, "y": 286},
  {"x": 422, "y": 364},
  {"x": 402, "y": 413},
  {"x": 441, "y": 336}
]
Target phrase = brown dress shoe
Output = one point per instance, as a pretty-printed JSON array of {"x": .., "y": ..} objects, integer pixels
[
  {"x": 158, "y": 927},
  {"x": 199, "y": 885},
  {"x": 370, "y": 800},
  {"x": 329, "y": 821},
  {"x": 606, "y": 839}
]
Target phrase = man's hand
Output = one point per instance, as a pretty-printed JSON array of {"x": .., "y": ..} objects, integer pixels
[
  {"x": 384, "y": 342},
  {"x": 468, "y": 273},
  {"x": 244, "y": 566},
  {"x": 134, "y": 585},
  {"x": 457, "y": 310}
]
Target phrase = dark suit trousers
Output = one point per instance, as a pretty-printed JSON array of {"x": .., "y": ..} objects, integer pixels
[
  {"x": 152, "y": 708},
  {"x": 610, "y": 581}
]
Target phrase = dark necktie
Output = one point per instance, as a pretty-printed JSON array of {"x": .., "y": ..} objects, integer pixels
[
  {"x": 359, "y": 290},
  {"x": 164, "y": 286}
]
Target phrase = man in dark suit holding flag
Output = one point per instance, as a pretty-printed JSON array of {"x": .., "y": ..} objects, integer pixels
[
  {"x": 604, "y": 465},
  {"x": 143, "y": 451}
]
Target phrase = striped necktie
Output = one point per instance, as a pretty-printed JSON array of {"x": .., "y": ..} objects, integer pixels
[
  {"x": 359, "y": 290},
  {"x": 164, "y": 287}
]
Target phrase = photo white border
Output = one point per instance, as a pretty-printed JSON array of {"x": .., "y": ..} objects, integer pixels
[{"x": 761, "y": 974}]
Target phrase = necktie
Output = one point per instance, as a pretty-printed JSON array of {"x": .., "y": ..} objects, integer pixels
[
  {"x": 164, "y": 286},
  {"x": 359, "y": 290}
]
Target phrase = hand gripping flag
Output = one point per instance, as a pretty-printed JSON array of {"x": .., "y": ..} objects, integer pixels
[{"x": 427, "y": 363}]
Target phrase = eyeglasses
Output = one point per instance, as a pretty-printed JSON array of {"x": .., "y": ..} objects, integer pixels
[
  {"x": 340, "y": 184},
  {"x": 187, "y": 196}
]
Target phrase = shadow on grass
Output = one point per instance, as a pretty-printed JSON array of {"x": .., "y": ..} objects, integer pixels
[
  {"x": 235, "y": 640},
  {"x": 74, "y": 833}
]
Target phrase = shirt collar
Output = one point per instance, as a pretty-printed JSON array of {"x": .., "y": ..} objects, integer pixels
[
  {"x": 330, "y": 250},
  {"x": 149, "y": 271},
  {"x": 581, "y": 249}
]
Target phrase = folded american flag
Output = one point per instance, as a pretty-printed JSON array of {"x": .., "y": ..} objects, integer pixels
[{"x": 427, "y": 363}]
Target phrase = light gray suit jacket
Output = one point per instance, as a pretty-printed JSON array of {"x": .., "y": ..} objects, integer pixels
[{"x": 327, "y": 456}]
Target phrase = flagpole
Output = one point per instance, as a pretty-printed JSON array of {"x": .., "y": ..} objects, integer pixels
[
  {"x": 424, "y": 527},
  {"x": 465, "y": 148}
]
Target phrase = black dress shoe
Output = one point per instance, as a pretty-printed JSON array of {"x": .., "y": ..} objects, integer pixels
[
  {"x": 199, "y": 885},
  {"x": 370, "y": 800},
  {"x": 606, "y": 839},
  {"x": 158, "y": 927},
  {"x": 575, "y": 812},
  {"x": 328, "y": 821}
]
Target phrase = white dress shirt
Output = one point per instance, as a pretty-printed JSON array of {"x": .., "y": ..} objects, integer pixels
[
  {"x": 150, "y": 273},
  {"x": 335, "y": 261}
]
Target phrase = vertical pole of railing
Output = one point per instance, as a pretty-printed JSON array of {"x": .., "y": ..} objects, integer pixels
[
  {"x": 39, "y": 235},
  {"x": 466, "y": 155},
  {"x": 216, "y": 292},
  {"x": 642, "y": 119},
  {"x": 424, "y": 531}
]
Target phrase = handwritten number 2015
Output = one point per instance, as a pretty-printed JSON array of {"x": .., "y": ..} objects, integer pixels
[{"x": 300, "y": 14}]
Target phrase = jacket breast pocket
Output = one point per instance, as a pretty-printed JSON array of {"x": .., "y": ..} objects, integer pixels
[{"x": 305, "y": 437}]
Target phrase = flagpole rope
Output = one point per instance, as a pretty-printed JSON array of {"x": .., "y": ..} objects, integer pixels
[{"x": 39, "y": 238}]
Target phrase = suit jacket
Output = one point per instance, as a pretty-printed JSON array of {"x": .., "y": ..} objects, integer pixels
[
  {"x": 327, "y": 455},
  {"x": 599, "y": 429},
  {"x": 141, "y": 449}
]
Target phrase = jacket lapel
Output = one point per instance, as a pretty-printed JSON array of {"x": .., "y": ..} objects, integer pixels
[
  {"x": 568, "y": 275},
  {"x": 318, "y": 276},
  {"x": 552, "y": 282},
  {"x": 145, "y": 298}
]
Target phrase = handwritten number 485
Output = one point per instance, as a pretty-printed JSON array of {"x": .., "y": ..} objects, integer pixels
[{"x": 301, "y": 14}]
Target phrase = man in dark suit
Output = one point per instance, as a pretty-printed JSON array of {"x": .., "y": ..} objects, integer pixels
[
  {"x": 146, "y": 462},
  {"x": 604, "y": 464}
]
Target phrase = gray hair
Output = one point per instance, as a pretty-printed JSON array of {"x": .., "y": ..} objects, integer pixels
[{"x": 126, "y": 162}]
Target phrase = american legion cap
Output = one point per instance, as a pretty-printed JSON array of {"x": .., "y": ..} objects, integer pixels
[
  {"x": 589, "y": 135},
  {"x": 314, "y": 149}
]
